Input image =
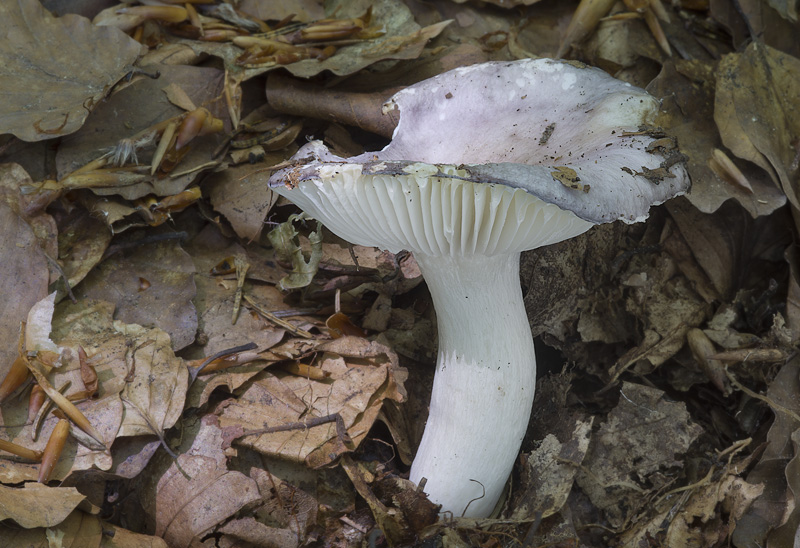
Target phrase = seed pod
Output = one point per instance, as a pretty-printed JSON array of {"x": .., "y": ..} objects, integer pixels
[
  {"x": 166, "y": 139},
  {"x": 64, "y": 404},
  {"x": 211, "y": 125},
  {"x": 35, "y": 402},
  {"x": 583, "y": 22},
  {"x": 702, "y": 349},
  {"x": 20, "y": 451},
  {"x": 190, "y": 127},
  {"x": 53, "y": 449},
  {"x": 17, "y": 375},
  {"x": 167, "y": 14}
]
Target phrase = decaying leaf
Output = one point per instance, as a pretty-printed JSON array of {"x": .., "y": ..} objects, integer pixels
[
  {"x": 631, "y": 455},
  {"x": 754, "y": 110},
  {"x": 243, "y": 198},
  {"x": 708, "y": 513},
  {"x": 130, "y": 114},
  {"x": 549, "y": 472},
  {"x": 56, "y": 97},
  {"x": 687, "y": 89},
  {"x": 287, "y": 248}
]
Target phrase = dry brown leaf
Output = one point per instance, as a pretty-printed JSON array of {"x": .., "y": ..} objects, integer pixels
[
  {"x": 81, "y": 244},
  {"x": 137, "y": 107},
  {"x": 50, "y": 89},
  {"x": 354, "y": 392},
  {"x": 665, "y": 304},
  {"x": 793, "y": 295},
  {"x": 25, "y": 275},
  {"x": 705, "y": 518},
  {"x": 256, "y": 533},
  {"x": 401, "y": 511},
  {"x": 78, "y": 529},
  {"x": 117, "y": 537},
  {"x": 178, "y": 97},
  {"x": 756, "y": 113},
  {"x": 786, "y": 534},
  {"x": 351, "y": 59},
  {"x": 777, "y": 503},
  {"x": 187, "y": 508},
  {"x": 167, "y": 301},
  {"x": 18, "y": 191},
  {"x": 243, "y": 196},
  {"x": 403, "y": 38},
  {"x": 105, "y": 415},
  {"x": 687, "y": 89},
  {"x": 714, "y": 241},
  {"x": 287, "y": 506},
  {"x": 764, "y": 20},
  {"x": 215, "y": 294},
  {"x": 36, "y": 505},
  {"x": 303, "y": 10},
  {"x": 157, "y": 388},
  {"x": 136, "y": 368}
]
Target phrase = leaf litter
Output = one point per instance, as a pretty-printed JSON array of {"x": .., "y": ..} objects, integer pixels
[{"x": 136, "y": 197}]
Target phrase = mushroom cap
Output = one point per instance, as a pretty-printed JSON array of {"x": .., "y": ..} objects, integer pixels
[
  {"x": 567, "y": 136},
  {"x": 428, "y": 209}
]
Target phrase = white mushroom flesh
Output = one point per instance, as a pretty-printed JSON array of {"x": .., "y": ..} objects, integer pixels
[{"x": 467, "y": 238}]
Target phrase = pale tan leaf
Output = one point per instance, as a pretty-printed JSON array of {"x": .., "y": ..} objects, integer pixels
[{"x": 36, "y": 505}]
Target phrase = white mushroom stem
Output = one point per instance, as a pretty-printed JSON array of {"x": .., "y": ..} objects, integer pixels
[{"x": 484, "y": 384}]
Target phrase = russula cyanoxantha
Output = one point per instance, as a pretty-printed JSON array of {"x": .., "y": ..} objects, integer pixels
[{"x": 488, "y": 161}]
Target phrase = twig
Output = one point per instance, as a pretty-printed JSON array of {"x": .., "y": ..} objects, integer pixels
[
  {"x": 221, "y": 354},
  {"x": 341, "y": 431},
  {"x": 158, "y": 433},
  {"x": 775, "y": 405},
  {"x": 277, "y": 321},
  {"x": 242, "y": 266}
]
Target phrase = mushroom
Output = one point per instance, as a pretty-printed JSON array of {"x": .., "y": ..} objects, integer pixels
[{"x": 488, "y": 161}]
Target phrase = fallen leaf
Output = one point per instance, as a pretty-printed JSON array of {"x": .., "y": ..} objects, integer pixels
[
  {"x": 352, "y": 393},
  {"x": 189, "y": 507},
  {"x": 633, "y": 450},
  {"x": 754, "y": 110},
  {"x": 687, "y": 89},
  {"x": 136, "y": 108},
  {"x": 36, "y": 505},
  {"x": 243, "y": 198},
  {"x": 548, "y": 472},
  {"x": 166, "y": 304},
  {"x": 50, "y": 89},
  {"x": 25, "y": 276}
]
